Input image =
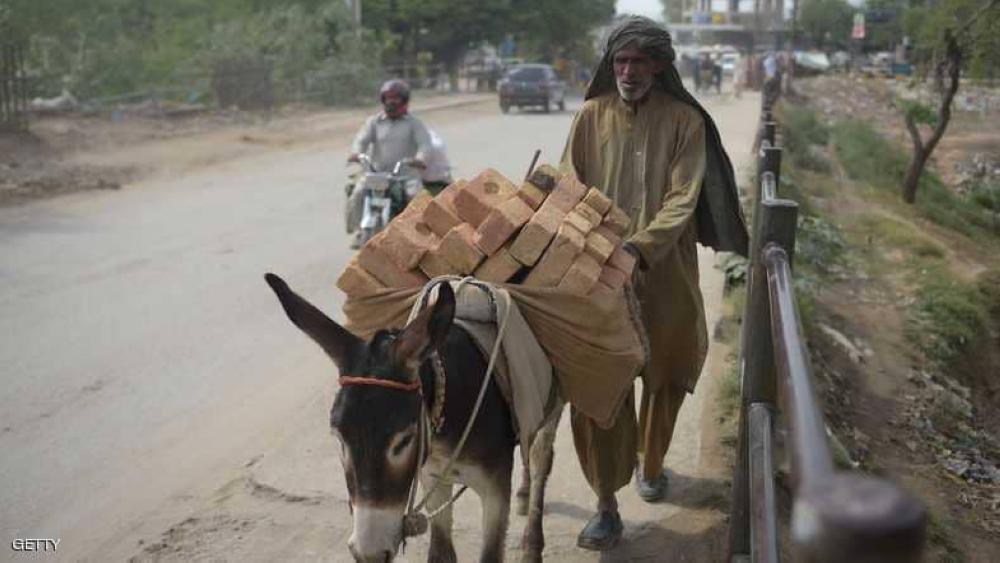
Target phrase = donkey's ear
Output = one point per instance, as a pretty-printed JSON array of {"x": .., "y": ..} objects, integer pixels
[
  {"x": 335, "y": 340},
  {"x": 427, "y": 332}
]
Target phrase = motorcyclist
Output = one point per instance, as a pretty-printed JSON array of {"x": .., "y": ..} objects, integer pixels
[{"x": 391, "y": 136}]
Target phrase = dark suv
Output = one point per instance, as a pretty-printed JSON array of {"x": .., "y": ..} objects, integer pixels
[{"x": 532, "y": 85}]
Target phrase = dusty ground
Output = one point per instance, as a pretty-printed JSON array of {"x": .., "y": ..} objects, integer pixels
[
  {"x": 877, "y": 399},
  {"x": 161, "y": 407}
]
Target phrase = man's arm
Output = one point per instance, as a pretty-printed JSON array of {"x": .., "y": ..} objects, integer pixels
[
  {"x": 680, "y": 201},
  {"x": 573, "y": 153},
  {"x": 422, "y": 138},
  {"x": 364, "y": 138}
]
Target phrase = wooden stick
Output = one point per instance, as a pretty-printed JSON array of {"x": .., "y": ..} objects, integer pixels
[{"x": 534, "y": 161}]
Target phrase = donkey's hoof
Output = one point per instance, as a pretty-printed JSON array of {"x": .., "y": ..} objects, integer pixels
[
  {"x": 521, "y": 504},
  {"x": 531, "y": 556}
]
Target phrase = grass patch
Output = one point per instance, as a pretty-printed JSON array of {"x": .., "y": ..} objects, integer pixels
[
  {"x": 948, "y": 317},
  {"x": 881, "y": 230},
  {"x": 869, "y": 158},
  {"x": 940, "y": 534},
  {"x": 803, "y": 134}
]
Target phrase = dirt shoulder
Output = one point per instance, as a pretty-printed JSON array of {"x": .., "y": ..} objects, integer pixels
[
  {"x": 885, "y": 280},
  {"x": 70, "y": 153}
]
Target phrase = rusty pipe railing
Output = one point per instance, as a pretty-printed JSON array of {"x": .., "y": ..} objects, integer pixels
[{"x": 836, "y": 516}]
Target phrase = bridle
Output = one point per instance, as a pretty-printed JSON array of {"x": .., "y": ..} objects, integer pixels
[{"x": 414, "y": 521}]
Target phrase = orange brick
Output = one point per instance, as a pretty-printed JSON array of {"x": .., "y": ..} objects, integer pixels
[
  {"x": 433, "y": 264},
  {"x": 354, "y": 281},
  {"x": 501, "y": 224},
  {"x": 582, "y": 275},
  {"x": 566, "y": 246},
  {"x": 532, "y": 195},
  {"x": 597, "y": 201},
  {"x": 589, "y": 213},
  {"x": 407, "y": 240},
  {"x": 531, "y": 242},
  {"x": 545, "y": 177},
  {"x": 578, "y": 221},
  {"x": 378, "y": 264},
  {"x": 484, "y": 192},
  {"x": 567, "y": 193},
  {"x": 440, "y": 214},
  {"x": 498, "y": 268},
  {"x": 622, "y": 259},
  {"x": 607, "y": 233},
  {"x": 617, "y": 220},
  {"x": 599, "y": 247},
  {"x": 458, "y": 248},
  {"x": 613, "y": 277}
]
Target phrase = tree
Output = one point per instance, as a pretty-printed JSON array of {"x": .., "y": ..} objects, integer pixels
[
  {"x": 826, "y": 23},
  {"x": 952, "y": 34},
  {"x": 673, "y": 10}
]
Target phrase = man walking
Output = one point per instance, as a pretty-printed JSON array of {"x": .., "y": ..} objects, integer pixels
[{"x": 643, "y": 139}]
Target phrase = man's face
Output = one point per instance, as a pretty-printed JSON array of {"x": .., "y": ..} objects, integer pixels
[
  {"x": 392, "y": 103},
  {"x": 634, "y": 72}
]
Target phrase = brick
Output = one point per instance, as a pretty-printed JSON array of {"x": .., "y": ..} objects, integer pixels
[
  {"x": 440, "y": 214},
  {"x": 607, "y": 233},
  {"x": 458, "y": 248},
  {"x": 567, "y": 193},
  {"x": 545, "y": 177},
  {"x": 378, "y": 264},
  {"x": 498, "y": 268},
  {"x": 566, "y": 246},
  {"x": 599, "y": 247},
  {"x": 597, "y": 201},
  {"x": 501, "y": 224},
  {"x": 532, "y": 195},
  {"x": 407, "y": 240},
  {"x": 582, "y": 275},
  {"x": 622, "y": 259},
  {"x": 613, "y": 277},
  {"x": 433, "y": 264},
  {"x": 589, "y": 213},
  {"x": 617, "y": 220},
  {"x": 484, "y": 192},
  {"x": 578, "y": 221},
  {"x": 354, "y": 281},
  {"x": 531, "y": 242}
]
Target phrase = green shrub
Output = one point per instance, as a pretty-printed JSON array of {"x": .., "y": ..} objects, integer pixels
[
  {"x": 866, "y": 156},
  {"x": 947, "y": 317},
  {"x": 803, "y": 131},
  {"x": 819, "y": 245}
]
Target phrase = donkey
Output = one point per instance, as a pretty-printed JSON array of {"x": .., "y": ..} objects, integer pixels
[{"x": 387, "y": 384}]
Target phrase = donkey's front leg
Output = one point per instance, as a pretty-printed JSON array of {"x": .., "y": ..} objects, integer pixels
[
  {"x": 494, "y": 493},
  {"x": 442, "y": 550},
  {"x": 540, "y": 462}
]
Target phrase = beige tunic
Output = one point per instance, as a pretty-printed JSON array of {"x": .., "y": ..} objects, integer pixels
[{"x": 650, "y": 163}]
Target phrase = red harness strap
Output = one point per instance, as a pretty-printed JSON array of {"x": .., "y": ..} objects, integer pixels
[{"x": 412, "y": 386}]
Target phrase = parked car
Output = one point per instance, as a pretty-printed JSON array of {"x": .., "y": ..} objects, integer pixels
[{"x": 532, "y": 85}]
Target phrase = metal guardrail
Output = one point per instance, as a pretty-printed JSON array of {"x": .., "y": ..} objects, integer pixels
[{"x": 836, "y": 516}]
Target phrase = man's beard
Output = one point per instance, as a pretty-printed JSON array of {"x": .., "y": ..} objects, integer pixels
[{"x": 633, "y": 95}]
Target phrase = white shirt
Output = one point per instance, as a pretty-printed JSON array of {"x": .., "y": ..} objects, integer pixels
[{"x": 438, "y": 167}]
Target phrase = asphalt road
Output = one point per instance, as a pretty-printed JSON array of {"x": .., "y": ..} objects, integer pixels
[{"x": 148, "y": 372}]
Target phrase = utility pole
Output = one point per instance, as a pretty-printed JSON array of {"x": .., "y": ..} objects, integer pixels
[{"x": 356, "y": 14}]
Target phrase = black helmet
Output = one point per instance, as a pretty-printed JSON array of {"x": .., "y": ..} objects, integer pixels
[{"x": 400, "y": 87}]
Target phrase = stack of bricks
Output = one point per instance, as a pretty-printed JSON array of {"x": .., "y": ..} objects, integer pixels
[{"x": 552, "y": 231}]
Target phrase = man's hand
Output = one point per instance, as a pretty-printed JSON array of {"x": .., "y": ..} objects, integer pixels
[
  {"x": 353, "y": 157},
  {"x": 631, "y": 249}
]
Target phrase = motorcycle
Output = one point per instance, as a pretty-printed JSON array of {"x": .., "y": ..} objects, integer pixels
[{"x": 385, "y": 195}]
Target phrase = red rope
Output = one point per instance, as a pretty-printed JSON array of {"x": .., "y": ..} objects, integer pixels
[{"x": 412, "y": 386}]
